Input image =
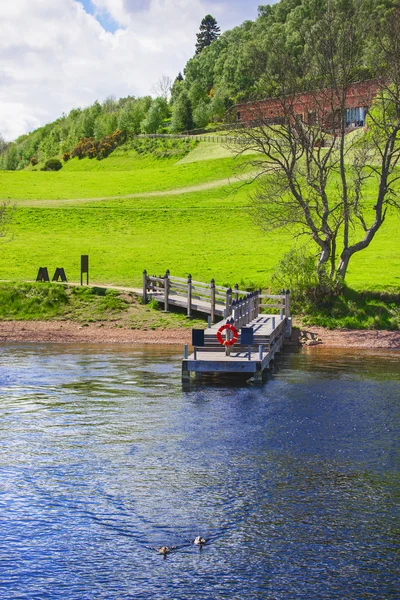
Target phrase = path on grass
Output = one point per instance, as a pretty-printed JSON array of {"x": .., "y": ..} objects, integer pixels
[{"x": 175, "y": 192}]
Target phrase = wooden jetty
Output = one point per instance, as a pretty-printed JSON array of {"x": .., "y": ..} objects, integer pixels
[{"x": 260, "y": 335}]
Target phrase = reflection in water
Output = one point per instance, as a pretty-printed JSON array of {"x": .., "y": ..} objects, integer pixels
[{"x": 103, "y": 459}]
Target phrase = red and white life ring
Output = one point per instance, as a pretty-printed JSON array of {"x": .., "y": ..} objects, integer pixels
[{"x": 234, "y": 331}]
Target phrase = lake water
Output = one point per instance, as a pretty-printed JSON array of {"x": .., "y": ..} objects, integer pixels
[{"x": 103, "y": 457}]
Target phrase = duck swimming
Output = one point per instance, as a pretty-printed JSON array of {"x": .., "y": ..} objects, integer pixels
[
  {"x": 199, "y": 541},
  {"x": 164, "y": 550}
]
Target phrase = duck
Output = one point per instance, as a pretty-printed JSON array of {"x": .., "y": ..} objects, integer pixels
[
  {"x": 164, "y": 550},
  {"x": 199, "y": 541}
]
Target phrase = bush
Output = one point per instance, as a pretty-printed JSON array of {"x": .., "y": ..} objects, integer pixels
[
  {"x": 88, "y": 147},
  {"x": 53, "y": 164}
]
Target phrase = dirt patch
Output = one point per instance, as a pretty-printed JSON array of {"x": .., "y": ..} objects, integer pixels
[
  {"x": 99, "y": 333},
  {"x": 346, "y": 338},
  {"x": 96, "y": 333}
]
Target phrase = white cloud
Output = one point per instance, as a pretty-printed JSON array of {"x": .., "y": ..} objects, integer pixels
[{"x": 54, "y": 56}]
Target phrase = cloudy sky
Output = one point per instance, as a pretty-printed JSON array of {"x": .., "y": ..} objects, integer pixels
[{"x": 60, "y": 54}]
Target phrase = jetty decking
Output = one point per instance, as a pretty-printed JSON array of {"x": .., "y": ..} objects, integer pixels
[{"x": 261, "y": 335}]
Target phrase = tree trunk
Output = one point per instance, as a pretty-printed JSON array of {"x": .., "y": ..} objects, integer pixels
[{"x": 343, "y": 265}]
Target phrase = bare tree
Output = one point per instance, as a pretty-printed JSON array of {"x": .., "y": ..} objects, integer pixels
[
  {"x": 163, "y": 87},
  {"x": 312, "y": 177}
]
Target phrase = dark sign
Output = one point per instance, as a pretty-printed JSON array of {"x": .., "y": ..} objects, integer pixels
[
  {"x": 247, "y": 336},
  {"x": 59, "y": 274},
  {"x": 43, "y": 274},
  {"x": 197, "y": 337},
  {"x": 85, "y": 268}
]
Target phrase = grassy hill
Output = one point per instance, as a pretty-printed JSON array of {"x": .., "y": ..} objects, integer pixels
[{"x": 148, "y": 218}]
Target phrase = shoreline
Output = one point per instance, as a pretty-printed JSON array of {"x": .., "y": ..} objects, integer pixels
[{"x": 69, "y": 332}]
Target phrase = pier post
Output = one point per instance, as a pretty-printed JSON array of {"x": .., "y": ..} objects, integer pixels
[
  {"x": 185, "y": 372},
  {"x": 166, "y": 291},
  {"x": 145, "y": 287},
  {"x": 236, "y": 288},
  {"x": 212, "y": 300},
  {"x": 260, "y": 352},
  {"x": 186, "y": 352},
  {"x": 287, "y": 304},
  {"x": 288, "y": 328},
  {"x": 228, "y": 302},
  {"x": 189, "y": 296},
  {"x": 259, "y": 302}
]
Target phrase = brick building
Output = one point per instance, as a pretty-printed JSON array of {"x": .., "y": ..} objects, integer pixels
[{"x": 313, "y": 107}]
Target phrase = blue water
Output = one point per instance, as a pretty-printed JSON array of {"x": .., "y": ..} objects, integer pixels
[{"x": 103, "y": 457}]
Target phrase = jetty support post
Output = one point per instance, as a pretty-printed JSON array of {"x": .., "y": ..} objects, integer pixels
[
  {"x": 185, "y": 372},
  {"x": 258, "y": 375},
  {"x": 189, "y": 296},
  {"x": 145, "y": 287},
  {"x": 166, "y": 291},
  {"x": 212, "y": 300},
  {"x": 236, "y": 291}
]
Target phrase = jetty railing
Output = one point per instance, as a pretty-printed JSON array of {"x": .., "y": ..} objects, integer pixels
[{"x": 241, "y": 305}]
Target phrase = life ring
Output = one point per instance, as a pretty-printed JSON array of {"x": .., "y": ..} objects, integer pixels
[{"x": 231, "y": 328}]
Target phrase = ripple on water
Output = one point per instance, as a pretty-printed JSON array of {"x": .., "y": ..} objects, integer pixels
[{"x": 103, "y": 459}]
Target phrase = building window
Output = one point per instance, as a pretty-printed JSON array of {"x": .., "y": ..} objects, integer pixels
[{"x": 355, "y": 117}]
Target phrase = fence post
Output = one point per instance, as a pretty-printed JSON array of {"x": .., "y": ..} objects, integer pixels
[
  {"x": 166, "y": 291},
  {"x": 228, "y": 302},
  {"x": 288, "y": 328},
  {"x": 236, "y": 288},
  {"x": 189, "y": 296},
  {"x": 287, "y": 304},
  {"x": 259, "y": 302},
  {"x": 145, "y": 287},
  {"x": 212, "y": 300}
]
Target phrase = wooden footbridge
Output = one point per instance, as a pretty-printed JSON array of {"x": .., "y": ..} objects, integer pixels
[{"x": 260, "y": 334}]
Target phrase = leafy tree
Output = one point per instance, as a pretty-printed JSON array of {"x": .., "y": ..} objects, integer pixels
[
  {"x": 3, "y": 144},
  {"x": 133, "y": 114},
  {"x": 182, "y": 119},
  {"x": 157, "y": 114},
  {"x": 10, "y": 158},
  {"x": 201, "y": 114},
  {"x": 209, "y": 31}
]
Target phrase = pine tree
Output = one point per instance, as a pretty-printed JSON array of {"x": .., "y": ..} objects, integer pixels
[{"x": 209, "y": 31}]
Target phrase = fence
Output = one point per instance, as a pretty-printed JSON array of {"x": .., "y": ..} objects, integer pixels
[{"x": 242, "y": 306}]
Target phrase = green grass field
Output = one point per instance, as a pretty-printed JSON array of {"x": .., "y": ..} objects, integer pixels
[
  {"x": 92, "y": 178},
  {"x": 208, "y": 233}
]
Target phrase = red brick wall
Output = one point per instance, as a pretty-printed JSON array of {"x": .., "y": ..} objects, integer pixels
[{"x": 358, "y": 95}]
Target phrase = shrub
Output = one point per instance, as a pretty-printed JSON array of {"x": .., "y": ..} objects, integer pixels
[
  {"x": 88, "y": 147},
  {"x": 53, "y": 164},
  {"x": 66, "y": 156},
  {"x": 33, "y": 160}
]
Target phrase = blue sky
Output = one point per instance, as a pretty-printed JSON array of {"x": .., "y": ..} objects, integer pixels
[
  {"x": 233, "y": 12},
  {"x": 103, "y": 17},
  {"x": 56, "y": 55}
]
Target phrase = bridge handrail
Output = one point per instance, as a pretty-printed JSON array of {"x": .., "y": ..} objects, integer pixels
[{"x": 242, "y": 309}]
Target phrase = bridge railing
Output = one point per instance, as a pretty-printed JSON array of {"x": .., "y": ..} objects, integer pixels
[{"x": 240, "y": 305}]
